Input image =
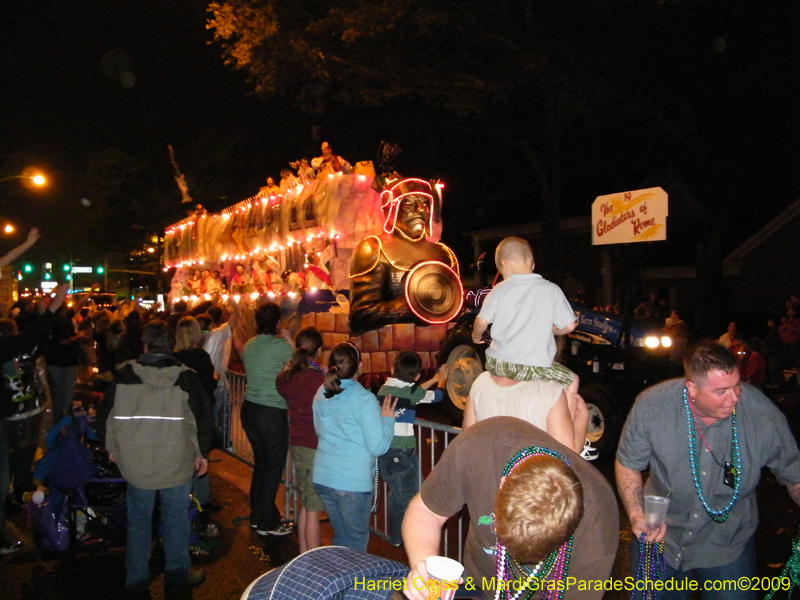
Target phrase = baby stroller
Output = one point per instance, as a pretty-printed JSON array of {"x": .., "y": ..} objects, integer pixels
[{"x": 85, "y": 504}]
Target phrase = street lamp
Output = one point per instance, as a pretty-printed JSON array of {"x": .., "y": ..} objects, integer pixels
[
  {"x": 31, "y": 175},
  {"x": 8, "y": 228}
]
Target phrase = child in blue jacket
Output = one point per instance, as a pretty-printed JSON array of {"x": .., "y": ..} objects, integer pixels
[{"x": 352, "y": 432}]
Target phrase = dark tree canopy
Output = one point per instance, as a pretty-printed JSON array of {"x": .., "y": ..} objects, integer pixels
[
  {"x": 614, "y": 92},
  {"x": 466, "y": 56},
  {"x": 604, "y": 84}
]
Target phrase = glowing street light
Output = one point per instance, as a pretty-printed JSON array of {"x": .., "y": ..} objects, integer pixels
[
  {"x": 8, "y": 229},
  {"x": 31, "y": 176}
]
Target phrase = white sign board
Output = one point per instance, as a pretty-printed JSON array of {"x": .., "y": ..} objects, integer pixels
[
  {"x": 81, "y": 269},
  {"x": 627, "y": 217}
]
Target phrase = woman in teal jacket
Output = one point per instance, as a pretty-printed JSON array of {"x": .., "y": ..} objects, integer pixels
[{"x": 352, "y": 432}]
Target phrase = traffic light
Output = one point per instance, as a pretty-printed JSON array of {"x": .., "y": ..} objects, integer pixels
[
  {"x": 28, "y": 268},
  {"x": 66, "y": 268},
  {"x": 100, "y": 269},
  {"x": 47, "y": 276}
]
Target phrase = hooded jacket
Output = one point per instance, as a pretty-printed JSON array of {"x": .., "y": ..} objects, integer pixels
[
  {"x": 351, "y": 434},
  {"x": 159, "y": 420}
]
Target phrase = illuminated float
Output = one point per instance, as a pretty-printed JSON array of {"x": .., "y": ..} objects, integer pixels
[{"x": 389, "y": 285}]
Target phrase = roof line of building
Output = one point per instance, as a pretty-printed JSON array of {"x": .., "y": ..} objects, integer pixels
[{"x": 765, "y": 232}]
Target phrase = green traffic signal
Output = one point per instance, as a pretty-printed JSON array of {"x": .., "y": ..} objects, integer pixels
[
  {"x": 100, "y": 269},
  {"x": 28, "y": 268},
  {"x": 66, "y": 267},
  {"x": 47, "y": 275}
]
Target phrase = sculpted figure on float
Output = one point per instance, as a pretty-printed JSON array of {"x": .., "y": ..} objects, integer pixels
[{"x": 401, "y": 276}]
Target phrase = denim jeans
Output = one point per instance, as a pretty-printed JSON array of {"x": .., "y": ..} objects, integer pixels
[
  {"x": 399, "y": 468},
  {"x": 267, "y": 430},
  {"x": 201, "y": 488},
  {"x": 175, "y": 518},
  {"x": 62, "y": 382},
  {"x": 349, "y": 515},
  {"x": 742, "y": 566}
]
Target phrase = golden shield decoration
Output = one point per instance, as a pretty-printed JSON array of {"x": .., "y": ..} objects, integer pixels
[{"x": 434, "y": 292}]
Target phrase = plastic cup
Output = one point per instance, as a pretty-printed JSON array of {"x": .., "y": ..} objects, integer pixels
[
  {"x": 655, "y": 510},
  {"x": 443, "y": 576}
]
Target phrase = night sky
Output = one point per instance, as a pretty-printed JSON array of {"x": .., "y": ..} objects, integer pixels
[{"x": 80, "y": 78}]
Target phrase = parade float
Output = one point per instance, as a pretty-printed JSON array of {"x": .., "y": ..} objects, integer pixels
[
  {"x": 358, "y": 256},
  {"x": 354, "y": 254}
]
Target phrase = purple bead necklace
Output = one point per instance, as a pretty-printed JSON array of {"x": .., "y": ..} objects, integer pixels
[{"x": 545, "y": 575}]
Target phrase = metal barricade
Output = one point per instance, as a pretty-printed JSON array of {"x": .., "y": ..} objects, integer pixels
[
  {"x": 432, "y": 440},
  {"x": 237, "y": 443}
]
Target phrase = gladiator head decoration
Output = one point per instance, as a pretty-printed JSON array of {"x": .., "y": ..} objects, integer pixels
[{"x": 411, "y": 206}]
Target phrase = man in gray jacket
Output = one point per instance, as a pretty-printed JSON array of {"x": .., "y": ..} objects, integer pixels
[{"x": 159, "y": 430}]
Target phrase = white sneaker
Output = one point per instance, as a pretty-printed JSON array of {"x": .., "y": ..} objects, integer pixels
[
  {"x": 589, "y": 452},
  {"x": 281, "y": 530}
]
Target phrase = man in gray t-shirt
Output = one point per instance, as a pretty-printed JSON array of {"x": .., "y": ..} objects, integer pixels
[
  {"x": 704, "y": 440},
  {"x": 471, "y": 472}
]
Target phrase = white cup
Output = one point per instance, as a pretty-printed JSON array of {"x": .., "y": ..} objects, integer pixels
[
  {"x": 443, "y": 576},
  {"x": 655, "y": 510}
]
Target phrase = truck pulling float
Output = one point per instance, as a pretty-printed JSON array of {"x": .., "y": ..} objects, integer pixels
[{"x": 307, "y": 247}]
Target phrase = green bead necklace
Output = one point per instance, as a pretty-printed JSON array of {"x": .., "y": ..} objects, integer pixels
[{"x": 719, "y": 516}]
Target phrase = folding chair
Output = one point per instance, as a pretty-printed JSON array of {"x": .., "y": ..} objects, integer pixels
[{"x": 102, "y": 501}]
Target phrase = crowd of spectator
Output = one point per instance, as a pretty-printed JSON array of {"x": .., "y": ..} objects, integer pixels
[
  {"x": 89, "y": 351},
  {"x": 769, "y": 358}
]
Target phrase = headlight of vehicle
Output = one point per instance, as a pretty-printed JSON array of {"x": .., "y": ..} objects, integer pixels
[
  {"x": 651, "y": 341},
  {"x": 666, "y": 341}
]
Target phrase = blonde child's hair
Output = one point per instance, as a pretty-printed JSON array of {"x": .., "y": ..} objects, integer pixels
[{"x": 513, "y": 249}]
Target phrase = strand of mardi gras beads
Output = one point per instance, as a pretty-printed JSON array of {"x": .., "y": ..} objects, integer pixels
[
  {"x": 504, "y": 575},
  {"x": 553, "y": 568},
  {"x": 531, "y": 451},
  {"x": 791, "y": 571},
  {"x": 375, "y": 486},
  {"x": 719, "y": 516},
  {"x": 651, "y": 564}
]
